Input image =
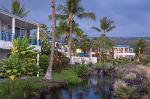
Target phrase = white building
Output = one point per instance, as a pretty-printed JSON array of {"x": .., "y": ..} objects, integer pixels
[
  {"x": 11, "y": 27},
  {"x": 121, "y": 51}
]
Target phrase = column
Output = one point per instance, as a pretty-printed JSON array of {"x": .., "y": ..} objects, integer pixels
[
  {"x": 38, "y": 34},
  {"x": 13, "y": 27},
  {"x": 0, "y": 29},
  {"x": 38, "y": 38},
  {"x": 38, "y": 57}
]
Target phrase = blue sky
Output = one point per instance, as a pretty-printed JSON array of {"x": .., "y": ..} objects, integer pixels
[{"x": 132, "y": 17}]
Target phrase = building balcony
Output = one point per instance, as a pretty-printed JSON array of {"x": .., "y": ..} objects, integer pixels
[{"x": 6, "y": 41}]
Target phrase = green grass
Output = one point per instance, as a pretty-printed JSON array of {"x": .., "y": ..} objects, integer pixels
[
  {"x": 28, "y": 86},
  {"x": 68, "y": 75}
]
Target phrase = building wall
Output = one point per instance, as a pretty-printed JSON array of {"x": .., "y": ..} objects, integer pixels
[{"x": 4, "y": 54}]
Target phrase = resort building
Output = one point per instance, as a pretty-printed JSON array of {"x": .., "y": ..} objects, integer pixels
[
  {"x": 122, "y": 51},
  {"x": 11, "y": 27}
]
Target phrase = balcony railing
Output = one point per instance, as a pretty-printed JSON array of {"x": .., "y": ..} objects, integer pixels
[{"x": 9, "y": 37}]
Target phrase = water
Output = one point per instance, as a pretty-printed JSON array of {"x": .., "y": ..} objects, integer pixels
[{"x": 93, "y": 88}]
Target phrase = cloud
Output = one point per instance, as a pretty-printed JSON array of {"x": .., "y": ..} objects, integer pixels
[{"x": 131, "y": 16}]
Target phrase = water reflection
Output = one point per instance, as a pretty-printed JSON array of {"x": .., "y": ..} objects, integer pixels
[{"x": 94, "y": 88}]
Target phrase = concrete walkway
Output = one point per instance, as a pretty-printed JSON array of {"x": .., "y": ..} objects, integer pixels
[{"x": 145, "y": 69}]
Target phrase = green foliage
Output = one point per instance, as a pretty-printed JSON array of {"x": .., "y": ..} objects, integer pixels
[
  {"x": 22, "y": 59},
  {"x": 102, "y": 46},
  {"x": 125, "y": 92},
  {"x": 18, "y": 9},
  {"x": 139, "y": 46},
  {"x": 23, "y": 89},
  {"x": 81, "y": 69},
  {"x": 68, "y": 75},
  {"x": 85, "y": 43},
  {"x": 44, "y": 61},
  {"x": 110, "y": 62},
  {"x": 145, "y": 60},
  {"x": 106, "y": 25}
]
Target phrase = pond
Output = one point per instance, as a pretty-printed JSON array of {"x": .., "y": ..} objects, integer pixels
[{"x": 93, "y": 88}]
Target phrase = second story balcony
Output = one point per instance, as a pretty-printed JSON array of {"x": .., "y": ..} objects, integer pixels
[{"x": 13, "y": 27}]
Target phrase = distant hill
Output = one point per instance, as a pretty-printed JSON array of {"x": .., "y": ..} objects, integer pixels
[
  {"x": 131, "y": 41},
  {"x": 128, "y": 41}
]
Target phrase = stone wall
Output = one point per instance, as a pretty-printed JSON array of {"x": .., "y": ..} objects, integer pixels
[{"x": 4, "y": 54}]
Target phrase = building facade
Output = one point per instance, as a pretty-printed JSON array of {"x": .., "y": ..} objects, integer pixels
[
  {"x": 13, "y": 27},
  {"x": 122, "y": 51}
]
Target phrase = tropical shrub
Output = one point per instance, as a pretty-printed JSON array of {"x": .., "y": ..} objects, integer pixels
[
  {"x": 44, "y": 61},
  {"x": 67, "y": 75},
  {"x": 145, "y": 60},
  {"x": 81, "y": 69}
]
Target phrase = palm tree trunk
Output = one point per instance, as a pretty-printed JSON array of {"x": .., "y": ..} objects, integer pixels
[
  {"x": 70, "y": 36},
  {"x": 48, "y": 75}
]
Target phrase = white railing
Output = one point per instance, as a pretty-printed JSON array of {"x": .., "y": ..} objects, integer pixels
[
  {"x": 8, "y": 45},
  {"x": 85, "y": 60}
]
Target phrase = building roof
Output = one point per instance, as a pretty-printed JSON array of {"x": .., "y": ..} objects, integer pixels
[
  {"x": 17, "y": 17},
  {"x": 121, "y": 46}
]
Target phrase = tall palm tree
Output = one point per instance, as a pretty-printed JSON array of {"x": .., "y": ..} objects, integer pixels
[
  {"x": 68, "y": 12},
  {"x": 48, "y": 75},
  {"x": 18, "y": 9},
  {"x": 106, "y": 25},
  {"x": 140, "y": 46},
  {"x": 63, "y": 29}
]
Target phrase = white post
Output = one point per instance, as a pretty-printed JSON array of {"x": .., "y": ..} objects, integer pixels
[
  {"x": 13, "y": 27},
  {"x": 38, "y": 38},
  {"x": 38, "y": 56},
  {"x": 0, "y": 29},
  {"x": 38, "y": 34}
]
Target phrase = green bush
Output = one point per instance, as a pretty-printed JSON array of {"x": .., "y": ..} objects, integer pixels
[
  {"x": 145, "y": 60},
  {"x": 125, "y": 92},
  {"x": 81, "y": 69},
  {"x": 23, "y": 89},
  {"x": 68, "y": 75},
  {"x": 44, "y": 61}
]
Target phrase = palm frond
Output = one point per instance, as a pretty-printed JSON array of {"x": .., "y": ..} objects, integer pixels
[
  {"x": 97, "y": 29},
  {"x": 87, "y": 15}
]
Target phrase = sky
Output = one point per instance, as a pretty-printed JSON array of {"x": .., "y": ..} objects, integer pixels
[{"x": 131, "y": 17}]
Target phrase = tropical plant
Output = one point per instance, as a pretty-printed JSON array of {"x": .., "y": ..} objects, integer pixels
[
  {"x": 68, "y": 12},
  {"x": 106, "y": 25},
  {"x": 140, "y": 45},
  {"x": 44, "y": 32},
  {"x": 18, "y": 9},
  {"x": 63, "y": 29},
  {"x": 85, "y": 44},
  {"x": 22, "y": 59},
  {"x": 48, "y": 75},
  {"x": 103, "y": 46}
]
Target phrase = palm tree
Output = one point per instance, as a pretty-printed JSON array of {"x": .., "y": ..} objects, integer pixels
[
  {"x": 18, "y": 9},
  {"x": 68, "y": 12},
  {"x": 85, "y": 44},
  {"x": 106, "y": 25},
  {"x": 48, "y": 75},
  {"x": 140, "y": 45}
]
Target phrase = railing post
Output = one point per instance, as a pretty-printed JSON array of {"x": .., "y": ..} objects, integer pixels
[
  {"x": 13, "y": 27},
  {"x": 38, "y": 38},
  {"x": 0, "y": 29},
  {"x": 38, "y": 34}
]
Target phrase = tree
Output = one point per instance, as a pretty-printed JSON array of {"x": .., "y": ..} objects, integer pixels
[
  {"x": 68, "y": 12},
  {"x": 105, "y": 46},
  {"x": 18, "y": 9},
  {"x": 106, "y": 25},
  {"x": 85, "y": 44},
  {"x": 48, "y": 75},
  {"x": 140, "y": 45},
  {"x": 102, "y": 46},
  {"x": 63, "y": 29}
]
